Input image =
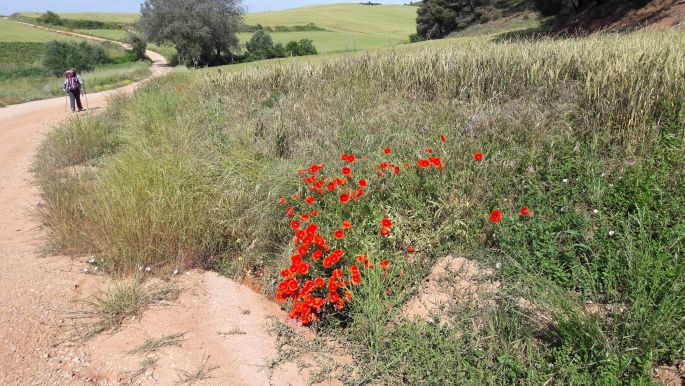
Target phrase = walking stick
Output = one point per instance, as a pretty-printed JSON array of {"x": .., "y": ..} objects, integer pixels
[
  {"x": 86, "y": 95},
  {"x": 66, "y": 101}
]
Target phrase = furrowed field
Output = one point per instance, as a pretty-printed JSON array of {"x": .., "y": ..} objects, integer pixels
[
  {"x": 23, "y": 79},
  {"x": 586, "y": 286}
]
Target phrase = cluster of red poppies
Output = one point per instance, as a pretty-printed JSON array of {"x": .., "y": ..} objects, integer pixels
[{"x": 319, "y": 278}]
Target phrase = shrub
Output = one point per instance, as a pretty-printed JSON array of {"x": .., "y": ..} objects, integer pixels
[
  {"x": 138, "y": 45},
  {"x": 50, "y": 17},
  {"x": 260, "y": 46},
  {"x": 62, "y": 55}
]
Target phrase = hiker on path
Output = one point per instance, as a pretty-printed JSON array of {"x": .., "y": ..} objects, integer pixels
[{"x": 72, "y": 85}]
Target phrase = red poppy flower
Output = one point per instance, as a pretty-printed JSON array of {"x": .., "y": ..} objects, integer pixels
[
  {"x": 344, "y": 198},
  {"x": 397, "y": 170},
  {"x": 285, "y": 273},
  {"x": 443, "y": 138},
  {"x": 386, "y": 222},
  {"x": 332, "y": 286},
  {"x": 410, "y": 249},
  {"x": 283, "y": 286},
  {"x": 384, "y": 263},
  {"x": 301, "y": 171},
  {"x": 385, "y": 231},
  {"x": 346, "y": 224},
  {"x": 290, "y": 212},
  {"x": 387, "y": 150},
  {"x": 347, "y": 296},
  {"x": 429, "y": 150},
  {"x": 525, "y": 211},
  {"x": 304, "y": 218},
  {"x": 495, "y": 216},
  {"x": 327, "y": 262},
  {"x": 437, "y": 162},
  {"x": 314, "y": 213},
  {"x": 478, "y": 156},
  {"x": 314, "y": 169},
  {"x": 346, "y": 171},
  {"x": 319, "y": 282},
  {"x": 303, "y": 269},
  {"x": 379, "y": 173},
  {"x": 294, "y": 225},
  {"x": 293, "y": 285},
  {"x": 351, "y": 158},
  {"x": 356, "y": 278},
  {"x": 331, "y": 186},
  {"x": 282, "y": 200},
  {"x": 297, "y": 196},
  {"x": 424, "y": 163},
  {"x": 312, "y": 229},
  {"x": 362, "y": 183},
  {"x": 339, "y": 234},
  {"x": 343, "y": 157},
  {"x": 310, "y": 200}
]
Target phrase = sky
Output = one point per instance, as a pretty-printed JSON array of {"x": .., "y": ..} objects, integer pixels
[{"x": 8, "y": 7}]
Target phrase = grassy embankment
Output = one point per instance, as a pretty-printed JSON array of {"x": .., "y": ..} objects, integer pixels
[
  {"x": 23, "y": 79},
  {"x": 588, "y": 133}
]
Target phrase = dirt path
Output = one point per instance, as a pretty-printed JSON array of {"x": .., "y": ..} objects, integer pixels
[{"x": 223, "y": 321}]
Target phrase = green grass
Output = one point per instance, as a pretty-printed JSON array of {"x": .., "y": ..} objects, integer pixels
[
  {"x": 170, "y": 186},
  {"x": 112, "y": 17},
  {"x": 11, "y": 31},
  {"x": 390, "y": 21}
]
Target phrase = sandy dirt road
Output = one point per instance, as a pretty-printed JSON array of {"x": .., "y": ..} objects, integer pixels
[{"x": 225, "y": 323}]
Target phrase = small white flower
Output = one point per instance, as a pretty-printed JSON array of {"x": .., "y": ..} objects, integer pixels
[
  {"x": 603, "y": 174},
  {"x": 91, "y": 260},
  {"x": 595, "y": 211},
  {"x": 562, "y": 210},
  {"x": 498, "y": 265},
  {"x": 565, "y": 180},
  {"x": 175, "y": 271},
  {"x": 550, "y": 365},
  {"x": 140, "y": 268},
  {"x": 148, "y": 269},
  {"x": 85, "y": 270},
  {"x": 611, "y": 233}
]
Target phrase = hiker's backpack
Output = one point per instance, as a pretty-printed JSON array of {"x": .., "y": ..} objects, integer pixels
[{"x": 73, "y": 83}]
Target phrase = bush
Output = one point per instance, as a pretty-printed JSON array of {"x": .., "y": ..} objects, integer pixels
[
  {"x": 50, "y": 17},
  {"x": 415, "y": 38},
  {"x": 260, "y": 46},
  {"x": 62, "y": 55},
  {"x": 301, "y": 48},
  {"x": 138, "y": 45}
]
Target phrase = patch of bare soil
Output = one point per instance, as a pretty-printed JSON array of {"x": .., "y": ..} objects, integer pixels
[
  {"x": 453, "y": 281},
  {"x": 671, "y": 375},
  {"x": 237, "y": 335}
]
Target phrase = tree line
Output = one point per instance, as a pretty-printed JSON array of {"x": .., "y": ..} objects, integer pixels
[{"x": 436, "y": 19}]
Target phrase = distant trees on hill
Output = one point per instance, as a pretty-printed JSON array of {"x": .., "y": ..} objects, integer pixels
[
  {"x": 202, "y": 31},
  {"x": 261, "y": 46}
]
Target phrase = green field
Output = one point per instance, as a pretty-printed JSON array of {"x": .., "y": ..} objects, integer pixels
[
  {"x": 11, "y": 31},
  {"x": 96, "y": 16},
  {"x": 390, "y": 21}
]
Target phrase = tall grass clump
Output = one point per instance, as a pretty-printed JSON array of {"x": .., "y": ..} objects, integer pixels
[{"x": 587, "y": 133}]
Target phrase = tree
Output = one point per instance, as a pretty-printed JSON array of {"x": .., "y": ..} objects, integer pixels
[
  {"x": 435, "y": 19},
  {"x": 50, "y": 17},
  {"x": 260, "y": 45},
  {"x": 200, "y": 30}
]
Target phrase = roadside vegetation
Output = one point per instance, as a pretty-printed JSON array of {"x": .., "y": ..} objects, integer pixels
[
  {"x": 32, "y": 62},
  {"x": 586, "y": 285}
]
